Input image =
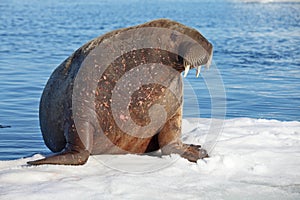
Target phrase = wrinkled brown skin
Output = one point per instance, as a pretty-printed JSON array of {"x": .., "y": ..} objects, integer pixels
[{"x": 56, "y": 117}]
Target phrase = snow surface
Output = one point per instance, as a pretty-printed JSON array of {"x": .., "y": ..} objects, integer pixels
[{"x": 253, "y": 159}]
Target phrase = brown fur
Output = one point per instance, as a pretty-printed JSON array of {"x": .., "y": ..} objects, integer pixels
[{"x": 57, "y": 117}]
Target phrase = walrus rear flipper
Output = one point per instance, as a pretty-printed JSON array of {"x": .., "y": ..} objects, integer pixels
[
  {"x": 169, "y": 140},
  {"x": 66, "y": 157}
]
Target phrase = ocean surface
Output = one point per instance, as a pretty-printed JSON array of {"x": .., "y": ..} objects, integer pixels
[{"x": 256, "y": 53}]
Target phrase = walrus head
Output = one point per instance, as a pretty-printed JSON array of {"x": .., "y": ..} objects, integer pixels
[{"x": 194, "y": 50}]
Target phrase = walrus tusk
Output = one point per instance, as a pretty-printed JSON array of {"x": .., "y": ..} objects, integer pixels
[
  {"x": 198, "y": 71},
  {"x": 186, "y": 71}
]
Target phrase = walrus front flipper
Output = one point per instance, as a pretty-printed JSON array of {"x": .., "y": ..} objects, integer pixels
[
  {"x": 66, "y": 157},
  {"x": 190, "y": 152},
  {"x": 170, "y": 142}
]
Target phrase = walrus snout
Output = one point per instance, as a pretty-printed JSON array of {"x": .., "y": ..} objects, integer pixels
[{"x": 195, "y": 56}]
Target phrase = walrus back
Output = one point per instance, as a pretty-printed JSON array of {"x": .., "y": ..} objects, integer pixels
[{"x": 55, "y": 111}]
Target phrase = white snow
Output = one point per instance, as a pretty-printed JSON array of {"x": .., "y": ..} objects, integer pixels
[{"x": 253, "y": 159}]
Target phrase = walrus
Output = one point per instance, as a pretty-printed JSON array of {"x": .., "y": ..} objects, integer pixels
[{"x": 131, "y": 103}]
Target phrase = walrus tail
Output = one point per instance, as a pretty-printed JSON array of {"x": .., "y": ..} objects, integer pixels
[{"x": 67, "y": 157}]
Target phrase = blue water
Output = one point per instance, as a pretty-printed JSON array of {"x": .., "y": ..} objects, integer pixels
[{"x": 256, "y": 49}]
